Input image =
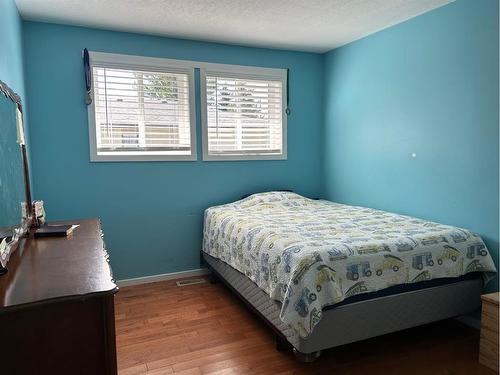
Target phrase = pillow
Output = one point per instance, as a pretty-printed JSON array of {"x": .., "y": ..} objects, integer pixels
[{"x": 247, "y": 195}]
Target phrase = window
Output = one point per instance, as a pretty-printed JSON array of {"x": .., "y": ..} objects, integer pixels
[
  {"x": 243, "y": 113},
  {"x": 142, "y": 109}
]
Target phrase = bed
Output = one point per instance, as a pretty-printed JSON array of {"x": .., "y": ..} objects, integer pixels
[{"x": 323, "y": 274}]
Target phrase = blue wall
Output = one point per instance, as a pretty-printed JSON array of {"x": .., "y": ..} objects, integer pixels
[
  {"x": 152, "y": 211},
  {"x": 11, "y": 47},
  {"x": 427, "y": 86}
]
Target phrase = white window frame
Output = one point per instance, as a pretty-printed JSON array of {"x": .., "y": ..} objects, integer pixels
[
  {"x": 120, "y": 61},
  {"x": 249, "y": 72}
]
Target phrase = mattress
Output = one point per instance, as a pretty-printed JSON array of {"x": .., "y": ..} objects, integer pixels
[{"x": 308, "y": 254}]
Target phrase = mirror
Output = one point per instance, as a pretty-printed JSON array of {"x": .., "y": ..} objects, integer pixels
[{"x": 15, "y": 195}]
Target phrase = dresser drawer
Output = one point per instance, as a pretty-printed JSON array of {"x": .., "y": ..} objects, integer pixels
[{"x": 488, "y": 352}]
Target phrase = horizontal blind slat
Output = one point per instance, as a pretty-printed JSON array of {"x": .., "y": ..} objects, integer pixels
[{"x": 130, "y": 87}]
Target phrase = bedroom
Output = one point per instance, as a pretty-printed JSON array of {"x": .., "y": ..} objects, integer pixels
[{"x": 390, "y": 105}]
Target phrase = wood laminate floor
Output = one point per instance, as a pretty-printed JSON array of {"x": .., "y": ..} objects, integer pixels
[{"x": 205, "y": 329}]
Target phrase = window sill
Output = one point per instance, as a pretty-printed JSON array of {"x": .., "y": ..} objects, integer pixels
[
  {"x": 141, "y": 158},
  {"x": 243, "y": 157}
]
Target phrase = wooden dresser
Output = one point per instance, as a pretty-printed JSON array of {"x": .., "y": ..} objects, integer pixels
[
  {"x": 488, "y": 350},
  {"x": 57, "y": 306}
]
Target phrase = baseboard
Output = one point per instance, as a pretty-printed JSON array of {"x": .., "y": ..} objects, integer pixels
[{"x": 163, "y": 277}]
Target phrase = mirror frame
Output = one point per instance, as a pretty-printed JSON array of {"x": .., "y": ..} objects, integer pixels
[{"x": 20, "y": 230}]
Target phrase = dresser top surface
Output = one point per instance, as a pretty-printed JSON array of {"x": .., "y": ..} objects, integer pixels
[
  {"x": 491, "y": 298},
  {"x": 43, "y": 269}
]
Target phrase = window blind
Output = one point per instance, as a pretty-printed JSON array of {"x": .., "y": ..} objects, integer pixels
[
  {"x": 244, "y": 116},
  {"x": 140, "y": 112}
]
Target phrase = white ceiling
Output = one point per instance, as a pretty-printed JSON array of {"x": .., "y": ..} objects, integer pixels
[{"x": 305, "y": 25}]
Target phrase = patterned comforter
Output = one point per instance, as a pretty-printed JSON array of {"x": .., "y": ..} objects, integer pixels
[{"x": 308, "y": 254}]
